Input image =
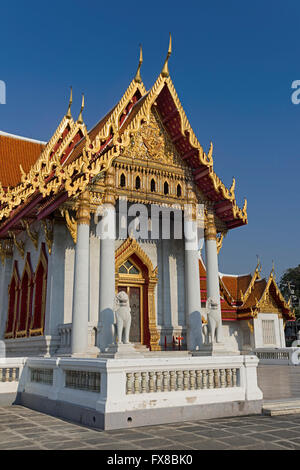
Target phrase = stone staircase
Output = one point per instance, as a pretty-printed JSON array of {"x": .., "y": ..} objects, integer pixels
[{"x": 281, "y": 407}]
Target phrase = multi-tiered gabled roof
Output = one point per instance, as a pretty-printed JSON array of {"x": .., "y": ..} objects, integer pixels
[
  {"x": 73, "y": 157},
  {"x": 244, "y": 296}
]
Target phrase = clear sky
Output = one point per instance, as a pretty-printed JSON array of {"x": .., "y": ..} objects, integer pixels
[{"x": 233, "y": 64}]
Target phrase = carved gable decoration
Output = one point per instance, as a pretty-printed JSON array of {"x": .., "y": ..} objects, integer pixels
[
  {"x": 269, "y": 305},
  {"x": 152, "y": 142}
]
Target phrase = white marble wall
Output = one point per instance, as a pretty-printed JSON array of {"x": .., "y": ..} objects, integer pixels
[{"x": 258, "y": 331}]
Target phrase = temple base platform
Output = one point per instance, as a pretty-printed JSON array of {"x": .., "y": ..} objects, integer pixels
[{"x": 129, "y": 392}]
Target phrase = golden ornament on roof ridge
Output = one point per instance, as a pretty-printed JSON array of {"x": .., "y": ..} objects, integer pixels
[
  {"x": 138, "y": 78},
  {"x": 165, "y": 70},
  {"x": 68, "y": 115}
]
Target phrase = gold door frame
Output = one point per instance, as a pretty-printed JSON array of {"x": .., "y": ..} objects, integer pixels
[{"x": 129, "y": 248}]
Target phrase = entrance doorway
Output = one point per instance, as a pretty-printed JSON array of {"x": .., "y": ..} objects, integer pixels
[
  {"x": 136, "y": 276},
  {"x": 131, "y": 281},
  {"x": 135, "y": 294}
]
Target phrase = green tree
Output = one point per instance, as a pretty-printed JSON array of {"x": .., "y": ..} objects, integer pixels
[{"x": 290, "y": 287}]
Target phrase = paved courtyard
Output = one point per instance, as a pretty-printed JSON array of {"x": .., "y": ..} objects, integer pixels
[{"x": 21, "y": 428}]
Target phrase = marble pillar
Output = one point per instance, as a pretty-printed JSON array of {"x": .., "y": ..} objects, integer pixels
[
  {"x": 106, "y": 231},
  {"x": 192, "y": 282},
  {"x": 80, "y": 316},
  {"x": 212, "y": 270}
]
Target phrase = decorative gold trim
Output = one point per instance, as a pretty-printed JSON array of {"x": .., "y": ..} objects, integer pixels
[
  {"x": 48, "y": 231},
  {"x": 264, "y": 300},
  {"x": 83, "y": 213},
  {"x": 18, "y": 244},
  {"x": 71, "y": 224},
  {"x": 220, "y": 238},
  {"x": 256, "y": 276},
  {"x": 50, "y": 174},
  {"x": 32, "y": 234},
  {"x": 210, "y": 232}
]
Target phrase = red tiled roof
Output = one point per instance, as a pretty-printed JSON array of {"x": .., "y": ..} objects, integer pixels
[
  {"x": 230, "y": 293},
  {"x": 16, "y": 151}
]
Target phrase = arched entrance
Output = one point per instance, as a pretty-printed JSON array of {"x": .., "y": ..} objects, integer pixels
[{"x": 135, "y": 275}]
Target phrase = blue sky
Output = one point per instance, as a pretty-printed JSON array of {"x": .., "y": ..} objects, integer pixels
[{"x": 233, "y": 64}]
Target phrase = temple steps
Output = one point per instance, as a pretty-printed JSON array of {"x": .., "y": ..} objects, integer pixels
[
  {"x": 277, "y": 408},
  {"x": 141, "y": 347}
]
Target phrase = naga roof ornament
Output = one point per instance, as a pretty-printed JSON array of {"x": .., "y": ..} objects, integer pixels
[
  {"x": 138, "y": 78},
  {"x": 69, "y": 115},
  {"x": 165, "y": 70}
]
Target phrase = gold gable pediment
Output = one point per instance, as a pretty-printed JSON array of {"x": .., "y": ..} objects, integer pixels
[
  {"x": 269, "y": 305},
  {"x": 152, "y": 142}
]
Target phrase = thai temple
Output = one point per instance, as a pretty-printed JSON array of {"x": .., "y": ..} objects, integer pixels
[{"x": 60, "y": 274}]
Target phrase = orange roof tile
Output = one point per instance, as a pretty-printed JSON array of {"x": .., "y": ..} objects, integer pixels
[
  {"x": 230, "y": 289},
  {"x": 15, "y": 150},
  {"x": 236, "y": 284}
]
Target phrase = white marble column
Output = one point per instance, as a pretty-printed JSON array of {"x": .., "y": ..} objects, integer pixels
[
  {"x": 54, "y": 314},
  {"x": 80, "y": 316},
  {"x": 106, "y": 231},
  {"x": 192, "y": 282},
  {"x": 212, "y": 270}
]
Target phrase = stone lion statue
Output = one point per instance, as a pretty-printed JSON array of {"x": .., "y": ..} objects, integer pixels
[
  {"x": 214, "y": 321},
  {"x": 122, "y": 317}
]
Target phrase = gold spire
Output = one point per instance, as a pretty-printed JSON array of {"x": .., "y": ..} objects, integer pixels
[
  {"x": 273, "y": 269},
  {"x": 138, "y": 78},
  {"x": 232, "y": 188},
  {"x": 259, "y": 266},
  {"x": 80, "y": 120},
  {"x": 68, "y": 115},
  {"x": 165, "y": 70}
]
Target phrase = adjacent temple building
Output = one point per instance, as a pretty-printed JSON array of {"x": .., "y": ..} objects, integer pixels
[{"x": 59, "y": 274}]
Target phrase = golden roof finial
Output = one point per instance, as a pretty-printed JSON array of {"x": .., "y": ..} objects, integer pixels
[
  {"x": 138, "y": 78},
  {"x": 273, "y": 269},
  {"x": 259, "y": 266},
  {"x": 165, "y": 70},
  {"x": 232, "y": 187},
  {"x": 80, "y": 120},
  {"x": 68, "y": 115}
]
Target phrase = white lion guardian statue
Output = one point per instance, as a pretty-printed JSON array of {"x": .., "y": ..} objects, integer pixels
[{"x": 123, "y": 317}]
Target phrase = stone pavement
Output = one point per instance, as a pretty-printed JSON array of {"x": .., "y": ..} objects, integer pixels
[{"x": 21, "y": 428}]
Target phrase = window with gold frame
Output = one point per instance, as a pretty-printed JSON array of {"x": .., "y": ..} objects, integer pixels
[{"x": 128, "y": 268}]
